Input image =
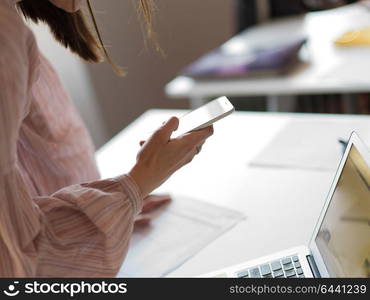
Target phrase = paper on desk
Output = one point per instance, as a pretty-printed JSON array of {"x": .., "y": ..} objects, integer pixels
[
  {"x": 311, "y": 144},
  {"x": 179, "y": 231}
]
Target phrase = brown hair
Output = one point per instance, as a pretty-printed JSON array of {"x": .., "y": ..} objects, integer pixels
[{"x": 73, "y": 32}]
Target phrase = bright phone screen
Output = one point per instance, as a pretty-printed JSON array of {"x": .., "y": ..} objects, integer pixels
[{"x": 197, "y": 118}]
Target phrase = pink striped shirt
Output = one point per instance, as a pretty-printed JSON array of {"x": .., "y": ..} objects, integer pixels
[{"x": 56, "y": 216}]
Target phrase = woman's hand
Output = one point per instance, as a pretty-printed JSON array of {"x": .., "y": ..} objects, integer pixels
[
  {"x": 151, "y": 204},
  {"x": 162, "y": 156}
]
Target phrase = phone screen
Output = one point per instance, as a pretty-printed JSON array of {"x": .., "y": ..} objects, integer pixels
[{"x": 201, "y": 116}]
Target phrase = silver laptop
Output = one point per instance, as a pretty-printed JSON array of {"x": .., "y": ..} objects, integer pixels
[{"x": 340, "y": 244}]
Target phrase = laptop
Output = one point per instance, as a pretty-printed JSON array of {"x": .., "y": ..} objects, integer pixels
[{"x": 340, "y": 243}]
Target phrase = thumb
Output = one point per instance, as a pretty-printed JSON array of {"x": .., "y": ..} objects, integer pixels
[{"x": 166, "y": 130}]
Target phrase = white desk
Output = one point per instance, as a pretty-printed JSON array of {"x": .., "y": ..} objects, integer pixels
[
  {"x": 281, "y": 205},
  {"x": 329, "y": 70}
]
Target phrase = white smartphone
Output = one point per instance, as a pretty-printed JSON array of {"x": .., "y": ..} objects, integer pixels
[{"x": 204, "y": 116}]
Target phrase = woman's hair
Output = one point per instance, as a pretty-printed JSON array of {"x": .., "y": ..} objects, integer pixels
[{"x": 73, "y": 32}]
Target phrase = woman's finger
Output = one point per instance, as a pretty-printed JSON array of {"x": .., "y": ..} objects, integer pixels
[
  {"x": 155, "y": 201},
  {"x": 201, "y": 145},
  {"x": 197, "y": 137},
  {"x": 164, "y": 133},
  {"x": 157, "y": 197},
  {"x": 142, "y": 220},
  {"x": 191, "y": 156}
]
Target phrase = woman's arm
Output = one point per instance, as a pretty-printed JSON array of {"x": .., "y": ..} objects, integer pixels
[{"x": 81, "y": 230}]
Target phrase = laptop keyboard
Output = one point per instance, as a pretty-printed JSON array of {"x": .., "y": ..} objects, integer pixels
[{"x": 287, "y": 267}]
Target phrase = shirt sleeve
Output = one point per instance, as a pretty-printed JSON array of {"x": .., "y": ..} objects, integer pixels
[{"x": 81, "y": 230}]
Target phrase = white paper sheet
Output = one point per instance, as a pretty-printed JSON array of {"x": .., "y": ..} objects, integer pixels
[
  {"x": 310, "y": 145},
  {"x": 179, "y": 231}
]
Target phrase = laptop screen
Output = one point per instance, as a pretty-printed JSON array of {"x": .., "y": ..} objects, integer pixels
[{"x": 344, "y": 236}]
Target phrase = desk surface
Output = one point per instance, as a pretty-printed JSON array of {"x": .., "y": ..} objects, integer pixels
[
  {"x": 330, "y": 69},
  {"x": 281, "y": 204}
]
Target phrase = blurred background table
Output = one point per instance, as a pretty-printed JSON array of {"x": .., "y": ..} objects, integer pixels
[
  {"x": 328, "y": 69},
  {"x": 281, "y": 204}
]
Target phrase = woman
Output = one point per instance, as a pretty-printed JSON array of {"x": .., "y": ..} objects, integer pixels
[{"x": 56, "y": 217}]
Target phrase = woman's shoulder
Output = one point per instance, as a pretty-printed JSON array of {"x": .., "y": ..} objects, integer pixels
[
  {"x": 18, "y": 55},
  {"x": 14, "y": 34}
]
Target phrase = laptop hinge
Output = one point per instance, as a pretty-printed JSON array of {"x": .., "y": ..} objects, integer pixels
[{"x": 313, "y": 266}]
